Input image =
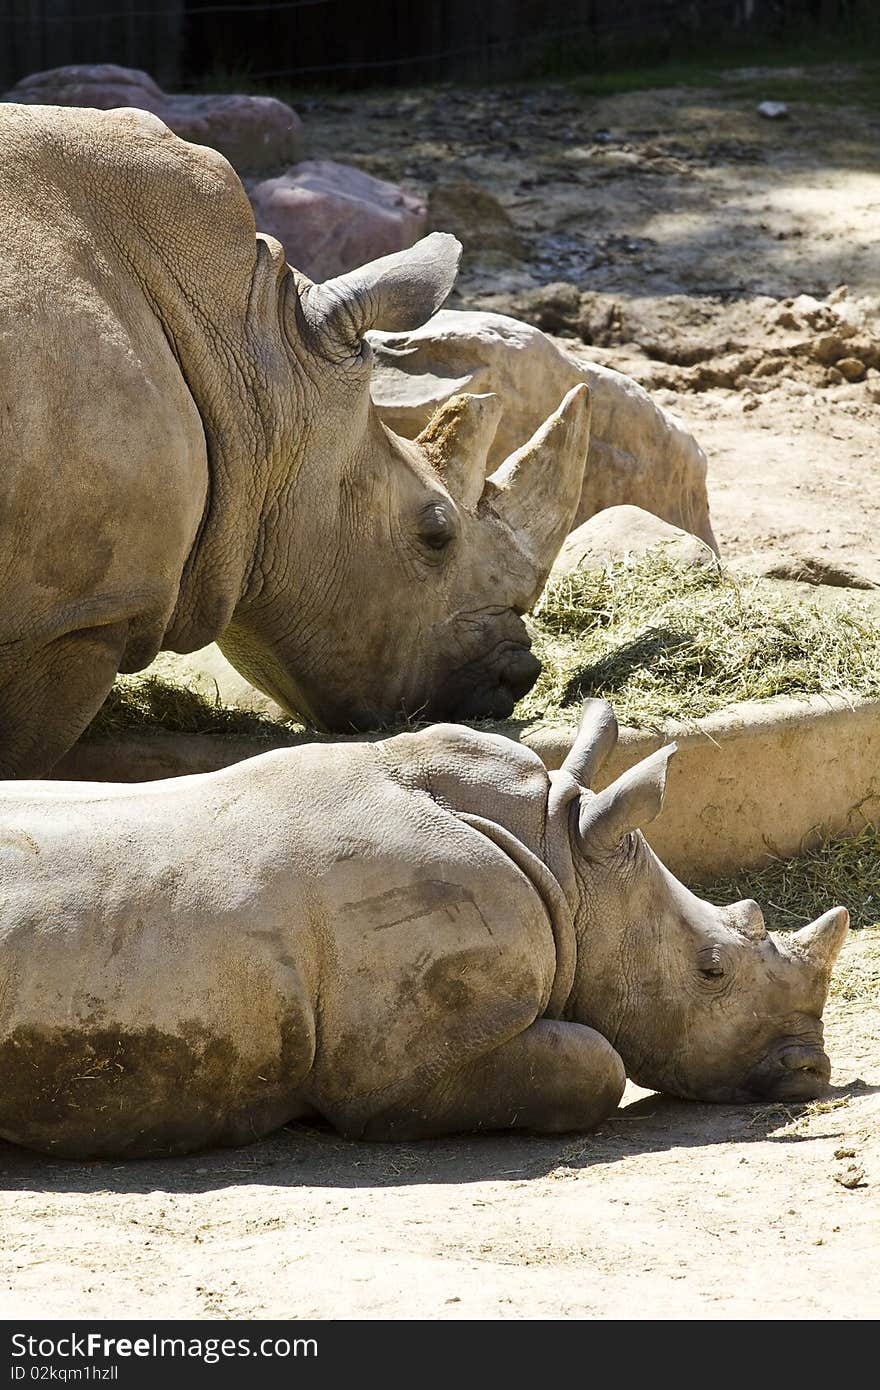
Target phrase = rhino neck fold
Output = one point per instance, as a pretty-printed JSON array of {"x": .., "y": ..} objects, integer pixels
[
  {"x": 187, "y": 235},
  {"x": 555, "y": 904},
  {"x": 560, "y": 826},
  {"x": 250, "y": 450}
]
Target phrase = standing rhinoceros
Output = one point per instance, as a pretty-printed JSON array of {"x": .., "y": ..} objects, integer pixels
[
  {"x": 188, "y": 451},
  {"x": 412, "y": 937}
]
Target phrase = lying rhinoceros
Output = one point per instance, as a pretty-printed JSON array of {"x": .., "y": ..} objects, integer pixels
[
  {"x": 188, "y": 451},
  {"x": 409, "y": 938}
]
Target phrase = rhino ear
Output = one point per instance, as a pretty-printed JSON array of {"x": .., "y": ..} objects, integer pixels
[
  {"x": 594, "y": 741},
  {"x": 635, "y": 799},
  {"x": 395, "y": 293}
]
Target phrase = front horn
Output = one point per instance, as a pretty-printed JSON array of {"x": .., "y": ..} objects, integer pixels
[{"x": 457, "y": 440}]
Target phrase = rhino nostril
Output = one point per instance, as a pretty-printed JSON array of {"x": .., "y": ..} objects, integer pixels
[{"x": 806, "y": 1059}]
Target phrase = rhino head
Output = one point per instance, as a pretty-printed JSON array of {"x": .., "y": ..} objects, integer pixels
[
  {"x": 394, "y": 573},
  {"x": 700, "y": 1001}
]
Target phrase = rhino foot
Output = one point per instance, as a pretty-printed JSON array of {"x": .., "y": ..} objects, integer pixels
[{"x": 553, "y": 1078}]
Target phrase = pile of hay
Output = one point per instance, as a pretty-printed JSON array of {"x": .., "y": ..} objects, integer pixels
[
  {"x": 658, "y": 640},
  {"x": 793, "y": 892},
  {"x": 661, "y": 641},
  {"x": 138, "y": 704}
]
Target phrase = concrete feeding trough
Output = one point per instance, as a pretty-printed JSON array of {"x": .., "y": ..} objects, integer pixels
[{"x": 762, "y": 778}]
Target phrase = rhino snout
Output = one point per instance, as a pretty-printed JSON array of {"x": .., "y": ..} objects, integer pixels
[
  {"x": 798, "y": 1072},
  {"x": 521, "y": 671},
  {"x": 490, "y": 689}
]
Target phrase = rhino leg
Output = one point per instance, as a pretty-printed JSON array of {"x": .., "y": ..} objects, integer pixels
[
  {"x": 53, "y": 695},
  {"x": 552, "y": 1078}
]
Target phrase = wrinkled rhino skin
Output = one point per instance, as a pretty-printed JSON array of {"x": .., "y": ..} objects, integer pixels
[
  {"x": 188, "y": 453},
  {"x": 414, "y": 937}
]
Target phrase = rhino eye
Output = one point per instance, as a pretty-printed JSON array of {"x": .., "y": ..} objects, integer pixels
[
  {"x": 435, "y": 527},
  {"x": 711, "y": 963}
]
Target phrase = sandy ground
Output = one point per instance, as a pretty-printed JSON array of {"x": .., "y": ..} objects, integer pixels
[{"x": 680, "y": 225}]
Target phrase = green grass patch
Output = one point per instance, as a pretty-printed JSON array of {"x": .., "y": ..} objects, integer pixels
[
  {"x": 661, "y": 641},
  {"x": 812, "y": 63},
  {"x": 813, "y": 85},
  {"x": 821, "y": 86}
]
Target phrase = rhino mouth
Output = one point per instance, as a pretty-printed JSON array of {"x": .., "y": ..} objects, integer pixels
[
  {"x": 489, "y": 689},
  {"x": 795, "y": 1073}
]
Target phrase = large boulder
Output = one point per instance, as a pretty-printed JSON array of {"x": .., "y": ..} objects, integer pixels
[
  {"x": 330, "y": 218},
  {"x": 253, "y": 132},
  {"x": 617, "y": 533},
  {"x": 638, "y": 454}
]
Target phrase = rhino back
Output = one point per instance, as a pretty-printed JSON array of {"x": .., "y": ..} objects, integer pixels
[{"x": 156, "y": 970}]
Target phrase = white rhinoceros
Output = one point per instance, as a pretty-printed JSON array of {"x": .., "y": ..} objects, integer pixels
[
  {"x": 412, "y": 937},
  {"x": 188, "y": 452}
]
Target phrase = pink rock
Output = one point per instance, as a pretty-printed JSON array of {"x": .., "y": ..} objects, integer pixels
[
  {"x": 103, "y": 85},
  {"x": 254, "y": 133},
  {"x": 330, "y": 218}
]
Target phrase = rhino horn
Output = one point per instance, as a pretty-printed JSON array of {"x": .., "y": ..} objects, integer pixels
[
  {"x": 395, "y": 293},
  {"x": 820, "y": 942},
  {"x": 537, "y": 489},
  {"x": 457, "y": 440},
  {"x": 634, "y": 799}
]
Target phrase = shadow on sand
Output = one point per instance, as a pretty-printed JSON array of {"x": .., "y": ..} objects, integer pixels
[{"x": 307, "y": 1156}]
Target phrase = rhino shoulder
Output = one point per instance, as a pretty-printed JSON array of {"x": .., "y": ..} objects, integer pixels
[
  {"x": 131, "y": 182},
  {"x": 478, "y": 773}
]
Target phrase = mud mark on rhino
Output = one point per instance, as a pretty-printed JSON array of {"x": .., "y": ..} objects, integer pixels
[
  {"x": 401, "y": 905},
  {"x": 20, "y": 840},
  {"x": 93, "y": 1092}
]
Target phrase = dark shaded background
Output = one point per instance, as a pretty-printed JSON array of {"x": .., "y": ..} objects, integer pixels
[{"x": 362, "y": 42}]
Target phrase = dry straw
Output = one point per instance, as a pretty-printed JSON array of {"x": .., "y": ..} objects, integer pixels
[{"x": 663, "y": 641}]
